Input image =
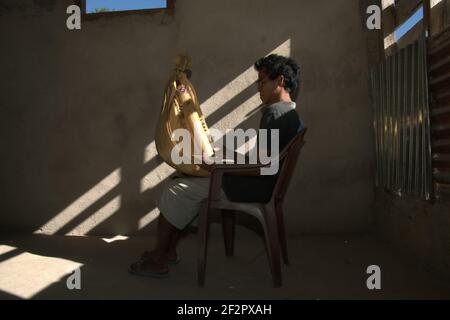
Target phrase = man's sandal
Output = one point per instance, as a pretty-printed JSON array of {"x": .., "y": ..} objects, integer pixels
[
  {"x": 172, "y": 262},
  {"x": 136, "y": 269}
]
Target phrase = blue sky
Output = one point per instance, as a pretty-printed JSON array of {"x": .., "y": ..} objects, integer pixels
[
  {"x": 409, "y": 24},
  {"x": 122, "y": 5}
]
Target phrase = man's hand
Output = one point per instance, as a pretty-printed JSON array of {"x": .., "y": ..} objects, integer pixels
[{"x": 183, "y": 94}]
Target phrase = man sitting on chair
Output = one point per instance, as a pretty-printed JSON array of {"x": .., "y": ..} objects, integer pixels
[{"x": 182, "y": 197}]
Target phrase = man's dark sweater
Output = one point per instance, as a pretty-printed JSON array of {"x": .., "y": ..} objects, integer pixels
[{"x": 281, "y": 116}]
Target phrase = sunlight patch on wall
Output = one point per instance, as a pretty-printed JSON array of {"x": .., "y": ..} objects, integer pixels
[
  {"x": 234, "y": 118},
  {"x": 156, "y": 176},
  {"x": 82, "y": 203},
  {"x": 434, "y": 3},
  {"x": 389, "y": 40},
  {"x": 387, "y": 3},
  {"x": 239, "y": 84},
  {"x": 148, "y": 218},
  {"x": 98, "y": 217}
]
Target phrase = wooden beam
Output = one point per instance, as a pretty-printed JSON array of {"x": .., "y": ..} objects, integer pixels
[
  {"x": 426, "y": 16},
  {"x": 170, "y": 4}
]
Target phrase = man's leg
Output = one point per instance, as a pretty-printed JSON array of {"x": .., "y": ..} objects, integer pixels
[
  {"x": 172, "y": 252},
  {"x": 157, "y": 260},
  {"x": 167, "y": 237},
  {"x": 159, "y": 248},
  {"x": 180, "y": 201}
]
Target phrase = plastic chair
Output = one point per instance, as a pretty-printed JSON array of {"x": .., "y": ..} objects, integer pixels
[{"x": 269, "y": 214}]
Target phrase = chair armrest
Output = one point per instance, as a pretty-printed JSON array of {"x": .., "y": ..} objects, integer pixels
[
  {"x": 237, "y": 167},
  {"x": 218, "y": 170}
]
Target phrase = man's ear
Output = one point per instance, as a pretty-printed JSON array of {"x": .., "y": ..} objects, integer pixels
[{"x": 281, "y": 81}]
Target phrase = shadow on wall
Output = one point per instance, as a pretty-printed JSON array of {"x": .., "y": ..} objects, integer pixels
[{"x": 110, "y": 205}]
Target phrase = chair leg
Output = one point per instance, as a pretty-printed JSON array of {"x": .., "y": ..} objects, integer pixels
[
  {"x": 272, "y": 242},
  {"x": 203, "y": 227},
  {"x": 282, "y": 232},
  {"x": 228, "y": 227}
]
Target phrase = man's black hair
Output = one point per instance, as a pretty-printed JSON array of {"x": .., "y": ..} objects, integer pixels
[{"x": 275, "y": 65}]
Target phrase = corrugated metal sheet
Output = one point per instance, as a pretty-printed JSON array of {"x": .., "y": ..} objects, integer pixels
[{"x": 402, "y": 123}]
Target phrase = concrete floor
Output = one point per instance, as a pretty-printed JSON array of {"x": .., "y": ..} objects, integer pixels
[{"x": 322, "y": 267}]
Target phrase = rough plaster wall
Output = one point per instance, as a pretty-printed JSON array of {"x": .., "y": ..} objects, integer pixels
[
  {"x": 416, "y": 228},
  {"x": 79, "y": 108},
  {"x": 374, "y": 38}
]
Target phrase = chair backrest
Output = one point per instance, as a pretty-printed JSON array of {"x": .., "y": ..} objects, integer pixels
[{"x": 288, "y": 161}]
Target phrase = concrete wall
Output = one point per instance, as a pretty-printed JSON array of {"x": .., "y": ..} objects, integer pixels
[
  {"x": 416, "y": 228},
  {"x": 79, "y": 108}
]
